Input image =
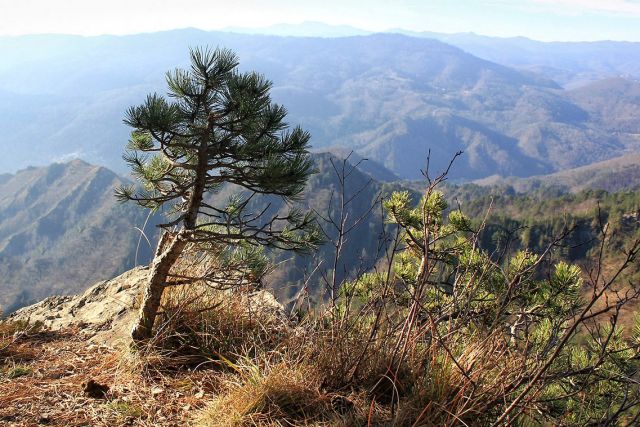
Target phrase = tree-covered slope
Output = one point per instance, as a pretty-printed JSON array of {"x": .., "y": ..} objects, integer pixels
[
  {"x": 61, "y": 230},
  {"x": 532, "y": 220},
  {"x": 619, "y": 173}
]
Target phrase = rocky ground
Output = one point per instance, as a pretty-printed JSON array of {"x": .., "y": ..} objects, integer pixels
[
  {"x": 58, "y": 378},
  {"x": 103, "y": 312},
  {"x": 67, "y": 361}
]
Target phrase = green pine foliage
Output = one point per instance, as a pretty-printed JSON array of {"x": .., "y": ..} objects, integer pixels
[
  {"x": 219, "y": 126},
  {"x": 555, "y": 352}
]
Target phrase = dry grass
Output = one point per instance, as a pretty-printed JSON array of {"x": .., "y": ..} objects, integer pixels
[
  {"x": 281, "y": 386},
  {"x": 429, "y": 389},
  {"x": 456, "y": 386},
  {"x": 320, "y": 373},
  {"x": 264, "y": 373},
  {"x": 269, "y": 371},
  {"x": 12, "y": 331},
  {"x": 283, "y": 394},
  {"x": 43, "y": 377},
  {"x": 201, "y": 327},
  {"x": 223, "y": 358}
]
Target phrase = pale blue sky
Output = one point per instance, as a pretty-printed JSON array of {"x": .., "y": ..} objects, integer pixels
[{"x": 538, "y": 19}]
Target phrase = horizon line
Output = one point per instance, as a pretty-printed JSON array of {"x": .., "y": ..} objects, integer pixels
[{"x": 257, "y": 31}]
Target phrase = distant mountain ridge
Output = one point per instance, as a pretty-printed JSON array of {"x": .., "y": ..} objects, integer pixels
[
  {"x": 618, "y": 174},
  {"x": 389, "y": 97},
  {"x": 571, "y": 64},
  {"x": 61, "y": 230},
  {"x": 304, "y": 29}
]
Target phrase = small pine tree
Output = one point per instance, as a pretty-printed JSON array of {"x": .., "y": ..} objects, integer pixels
[
  {"x": 218, "y": 127},
  {"x": 568, "y": 371}
]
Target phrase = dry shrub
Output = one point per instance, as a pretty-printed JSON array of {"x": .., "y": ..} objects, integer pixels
[
  {"x": 348, "y": 360},
  {"x": 285, "y": 393},
  {"x": 200, "y": 324},
  {"x": 457, "y": 386},
  {"x": 432, "y": 382}
]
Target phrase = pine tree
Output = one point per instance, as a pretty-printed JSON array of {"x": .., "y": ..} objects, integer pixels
[{"x": 217, "y": 127}]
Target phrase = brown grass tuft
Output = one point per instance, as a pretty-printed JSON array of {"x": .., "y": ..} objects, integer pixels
[
  {"x": 285, "y": 393},
  {"x": 200, "y": 326}
]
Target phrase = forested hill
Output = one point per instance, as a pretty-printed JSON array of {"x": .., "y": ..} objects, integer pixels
[
  {"x": 389, "y": 97},
  {"x": 532, "y": 221},
  {"x": 62, "y": 230},
  {"x": 620, "y": 173}
]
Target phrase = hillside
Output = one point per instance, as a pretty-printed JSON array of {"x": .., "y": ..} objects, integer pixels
[
  {"x": 389, "y": 97},
  {"x": 613, "y": 103},
  {"x": 65, "y": 222},
  {"x": 65, "y": 215},
  {"x": 571, "y": 64},
  {"x": 62, "y": 230},
  {"x": 620, "y": 173},
  {"x": 315, "y": 225}
]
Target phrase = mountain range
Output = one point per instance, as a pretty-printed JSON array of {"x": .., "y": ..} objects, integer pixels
[
  {"x": 62, "y": 230},
  {"x": 392, "y": 98},
  {"x": 571, "y": 64}
]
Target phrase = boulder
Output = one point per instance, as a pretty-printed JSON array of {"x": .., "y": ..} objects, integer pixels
[{"x": 105, "y": 311}]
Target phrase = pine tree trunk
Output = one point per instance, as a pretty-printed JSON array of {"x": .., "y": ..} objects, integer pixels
[
  {"x": 165, "y": 258},
  {"x": 167, "y": 254}
]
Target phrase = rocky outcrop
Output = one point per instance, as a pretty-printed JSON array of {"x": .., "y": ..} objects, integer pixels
[{"x": 104, "y": 312}]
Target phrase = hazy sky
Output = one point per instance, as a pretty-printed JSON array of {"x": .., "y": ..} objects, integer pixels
[{"x": 538, "y": 19}]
